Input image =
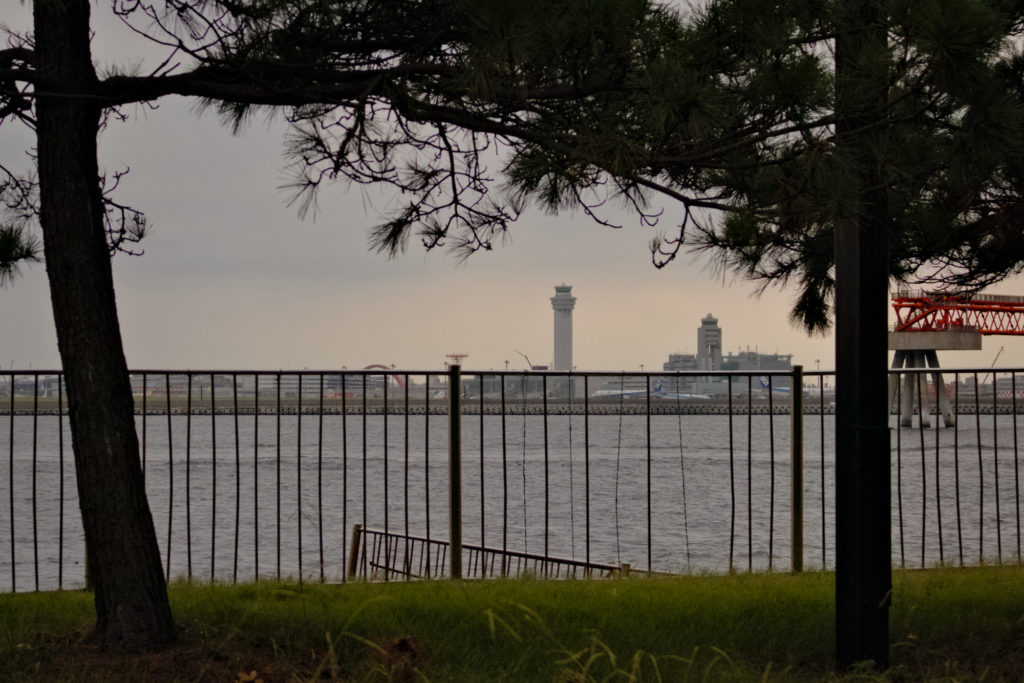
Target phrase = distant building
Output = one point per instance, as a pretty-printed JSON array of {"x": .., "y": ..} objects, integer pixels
[
  {"x": 709, "y": 357},
  {"x": 752, "y": 360},
  {"x": 709, "y": 344},
  {"x": 563, "y": 302}
]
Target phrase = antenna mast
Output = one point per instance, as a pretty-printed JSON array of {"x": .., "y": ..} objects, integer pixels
[{"x": 456, "y": 358}]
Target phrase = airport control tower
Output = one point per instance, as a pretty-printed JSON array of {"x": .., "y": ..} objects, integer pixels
[
  {"x": 563, "y": 302},
  {"x": 709, "y": 344}
]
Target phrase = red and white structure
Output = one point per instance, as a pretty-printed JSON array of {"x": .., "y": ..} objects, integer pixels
[
  {"x": 927, "y": 322},
  {"x": 979, "y": 313}
]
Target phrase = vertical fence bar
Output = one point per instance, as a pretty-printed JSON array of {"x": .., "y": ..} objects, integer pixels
[
  {"x": 921, "y": 382},
  {"x": 682, "y": 471},
  {"x": 426, "y": 465},
  {"x": 586, "y": 464},
  {"x": 145, "y": 414},
  {"x": 387, "y": 503},
  {"x": 956, "y": 466},
  {"x": 732, "y": 485},
  {"x": 1016, "y": 462},
  {"x": 238, "y": 477},
  {"x": 650, "y": 527},
  {"x": 405, "y": 470},
  {"x": 821, "y": 465},
  {"x": 547, "y": 475},
  {"x": 213, "y": 477},
  {"x": 365, "y": 446},
  {"x": 256, "y": 479},
  {"x": 277, "y": 446},
  {"x": 10, "y": 487},
  {"x": 188, "y": 474},
  {"x": 750, "y": 473},
  {"x": 901, "y": 388},
  {"x": 60, "y": 498},
  {"x": 995, "y": 467},
  {"x": 981, "y": 473},
  {"x": 483, "y": 525},
  {"x": 939, "y": 415},
  {"x": 35, "y": 468},
  {"x": 170, "y": 475},
  {"x": 455, "y": 470},
  {"x": 525, "y": 387},
  {"x": 320, "y": 477},
  {"x": 796, "y": 468},
  {"x": 821, "y": 458},
  {"x": 504, "y": 483},
  {"x": 344, "y": 475},
  {"x": 572, "y": 475},
  {"x": 771, "y": 476},
  {"x": 298, "y": 473}
]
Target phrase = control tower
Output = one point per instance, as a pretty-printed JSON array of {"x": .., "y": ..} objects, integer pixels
[
  {"x": 709, "y": 344},
  {"x": 563, "y": 302}
]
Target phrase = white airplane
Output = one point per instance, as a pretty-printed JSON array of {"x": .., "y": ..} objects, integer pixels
[
  {"x": 809, "y": 389},
  {"x": 628, "y": 393},
  {"x": 669, "y": 395},
  {"x": 763, "y": 379}
]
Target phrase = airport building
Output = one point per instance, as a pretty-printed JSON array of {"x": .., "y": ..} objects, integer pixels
[{"x": 709, "y": 357}]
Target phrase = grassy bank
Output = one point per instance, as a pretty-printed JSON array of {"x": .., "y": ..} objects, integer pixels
[{"x": 951, "y": 623}]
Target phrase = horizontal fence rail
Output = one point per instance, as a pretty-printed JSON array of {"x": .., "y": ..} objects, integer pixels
[{"x": 256, "y": 475}]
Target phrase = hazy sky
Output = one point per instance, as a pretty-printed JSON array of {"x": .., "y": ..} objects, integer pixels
[{"x": 233, "y": 279}]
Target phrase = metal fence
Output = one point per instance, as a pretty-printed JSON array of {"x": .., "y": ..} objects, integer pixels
[{"x": 267, "y": 474}]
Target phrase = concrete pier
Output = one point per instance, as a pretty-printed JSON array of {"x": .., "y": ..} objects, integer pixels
[{"x": 920, "y": 350}]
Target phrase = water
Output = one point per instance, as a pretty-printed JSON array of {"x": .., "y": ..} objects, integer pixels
[{"x": 278, "y": 497}]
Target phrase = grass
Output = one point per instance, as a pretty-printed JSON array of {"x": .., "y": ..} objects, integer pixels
[{"x": 946, "y": 624}]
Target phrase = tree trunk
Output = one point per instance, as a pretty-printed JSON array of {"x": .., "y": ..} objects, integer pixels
[
  {"x": 132, "y": 609},
  {"x": 863, "y": 556}
]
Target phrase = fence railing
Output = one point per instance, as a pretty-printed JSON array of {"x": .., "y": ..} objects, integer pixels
[
  {"x": 385, "y": 556},
  {"x": 265, "y": 474}
]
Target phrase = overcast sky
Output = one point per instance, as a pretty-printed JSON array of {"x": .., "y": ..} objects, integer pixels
[{"x": 233, "y": 279}]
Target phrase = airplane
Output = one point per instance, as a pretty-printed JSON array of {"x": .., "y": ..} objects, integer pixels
[
  {"x": 628, "y": 393},
  {"x": 763, "y": 379},
  {"x": 809, "y": 389},
  {"x": 669, "y": 395}
]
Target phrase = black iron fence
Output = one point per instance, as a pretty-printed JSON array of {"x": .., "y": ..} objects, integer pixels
[{"x": 268, "y": 474}]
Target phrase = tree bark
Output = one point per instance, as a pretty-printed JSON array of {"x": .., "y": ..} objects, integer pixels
[{"x": 132, "y": 609}]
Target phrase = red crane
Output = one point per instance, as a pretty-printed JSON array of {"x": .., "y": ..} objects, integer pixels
[{"x": 950, "y": 312}]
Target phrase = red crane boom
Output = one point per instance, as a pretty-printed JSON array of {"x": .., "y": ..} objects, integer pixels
[{"x": 942, "y": 312}]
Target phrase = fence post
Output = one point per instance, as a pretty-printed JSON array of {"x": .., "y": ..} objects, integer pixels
[
  {"x": 455, "y": 469},
  {"x": 796, "y": 466},
  {"x": 353, "y": 555}
]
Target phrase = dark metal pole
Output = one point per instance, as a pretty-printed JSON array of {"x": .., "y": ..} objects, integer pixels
[
  {"x": 863, "y": 560},
  {"x": 796, "y": 548},
  {"x": 455, "y": 469}
]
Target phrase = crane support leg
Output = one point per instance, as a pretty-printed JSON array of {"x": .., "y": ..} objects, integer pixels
[
  {"x": 941, "y": 396},
  {"x": 898, "y": 358},
  {"x": 907, "y": 396},
  {"x": 924, "y": 408}
]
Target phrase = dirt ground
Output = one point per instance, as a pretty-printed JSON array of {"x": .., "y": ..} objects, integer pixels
[{"x": 81, "y": 659}]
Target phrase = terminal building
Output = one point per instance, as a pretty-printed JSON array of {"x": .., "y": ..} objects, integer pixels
[{"x": 709, "y": 357}]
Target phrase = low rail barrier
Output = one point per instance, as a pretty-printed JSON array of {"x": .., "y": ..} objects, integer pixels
[{"x": 384, "y": 556}]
